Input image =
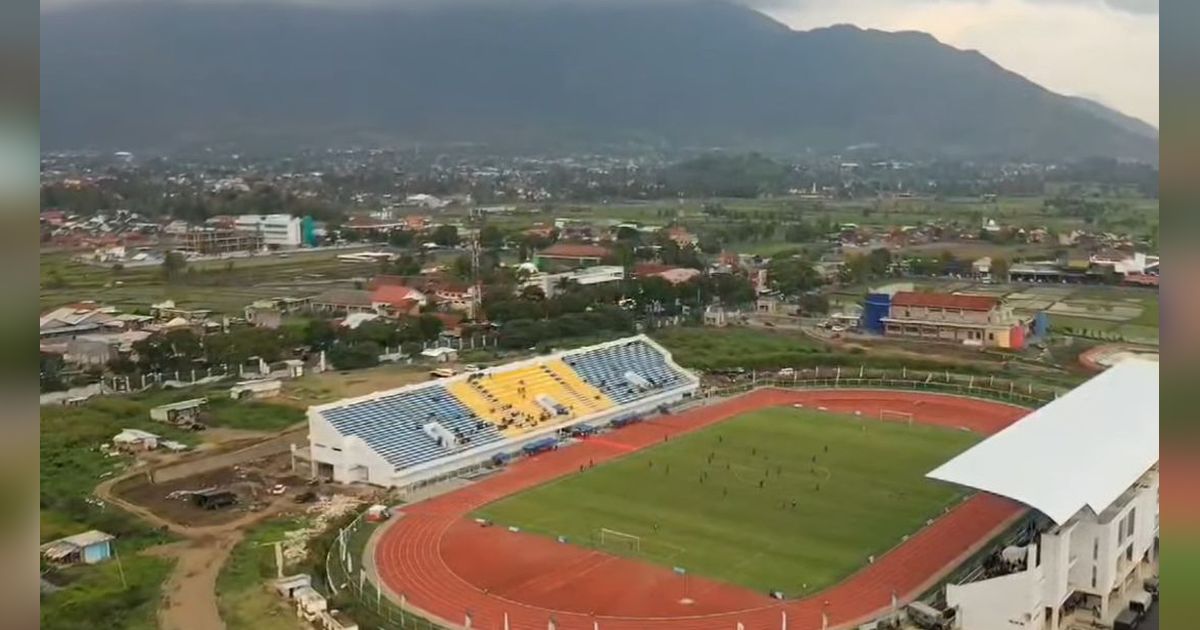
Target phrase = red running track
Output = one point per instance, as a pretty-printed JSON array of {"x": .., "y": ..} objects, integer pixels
[{"x": 447, "y": 566}]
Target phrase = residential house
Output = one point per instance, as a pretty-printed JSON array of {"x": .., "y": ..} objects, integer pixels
[
  {"x": 135, "y": 440},
  {"x": 398, "y": 300},
  {"x": 343, "y": 301},
  {"x": 101, "y": 349},
  {"x": 70, "y": 321},
  {"x": 90, "y": 547}
]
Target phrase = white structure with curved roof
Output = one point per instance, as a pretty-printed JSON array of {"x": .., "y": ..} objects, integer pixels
[
  {"x": 1083, "y": 450},
  {"x": 1089, "y": 462}
]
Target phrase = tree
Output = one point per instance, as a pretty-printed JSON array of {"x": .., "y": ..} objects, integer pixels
[
  {"x": 446, "y": 236},
  {"x": 709, "y": 244},
  {"x": 628, "y": 234},
  {"x": 491, "y": 237},
  {"x": 173, "y": 266},
  {"x": 400, "y": 238},
  {"x": 319, "y": 334},
  {"x": 347, "y": 356},
  {"x": 430, "y": 326},
  {"x": 814, "y": 303},
  {"x": 947, "y": 262},
  {"x": 462, "y": 267},
  {"x": 999, "y": 269},
  {"x": 792, "y": 276},
  {"x": 856, "y": 270},
  {"x": 879, "y": 262}
]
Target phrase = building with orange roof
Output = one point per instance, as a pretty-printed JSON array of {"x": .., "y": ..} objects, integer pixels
[
  {"x": 571, "y": 255},
  {"x": 973, "y": 320}
]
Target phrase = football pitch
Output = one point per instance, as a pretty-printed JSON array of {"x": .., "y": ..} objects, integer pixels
[{"x": 778, "y": 499}]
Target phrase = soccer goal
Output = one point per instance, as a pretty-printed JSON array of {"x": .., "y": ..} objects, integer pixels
[
  {"x": 896, "y": 416},
  {"x": 622, "y": 540}
]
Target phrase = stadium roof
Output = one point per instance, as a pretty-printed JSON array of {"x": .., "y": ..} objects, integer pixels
[{"x": 1082, "y": 450}]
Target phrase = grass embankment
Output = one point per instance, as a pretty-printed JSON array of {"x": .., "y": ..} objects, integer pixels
[{"x": 244, "y": 596}]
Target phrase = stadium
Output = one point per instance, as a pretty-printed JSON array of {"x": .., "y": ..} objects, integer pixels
[
  {"x": 628, "y": 498},
  {"x": 419, "y": 433}
]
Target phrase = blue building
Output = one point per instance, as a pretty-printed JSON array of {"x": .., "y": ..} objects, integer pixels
[{"x": 90, "y": 547}]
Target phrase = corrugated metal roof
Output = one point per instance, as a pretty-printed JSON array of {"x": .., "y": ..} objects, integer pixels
[
  {"x": 1083, "y": 450},
  {"x": 945, "y": 300}
]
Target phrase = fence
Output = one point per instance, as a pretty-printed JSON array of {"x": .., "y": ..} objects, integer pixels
[
  {"x": 347, "y": 578},
  {"x": 991, "y": 387}
]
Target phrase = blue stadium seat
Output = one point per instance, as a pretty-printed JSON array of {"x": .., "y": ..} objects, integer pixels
[
  {"x": 393, "y": 425},
  {"x": 606, "y": 369}
]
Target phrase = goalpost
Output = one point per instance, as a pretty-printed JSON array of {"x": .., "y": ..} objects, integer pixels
[
  {"x": 896, "y": 416},
  {"x": 624, "y": 540}
]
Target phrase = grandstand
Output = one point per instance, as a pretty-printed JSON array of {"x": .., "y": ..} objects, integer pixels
[
  {"x": 419, "y": 432},
  {"x": 1087, "y": 464}
]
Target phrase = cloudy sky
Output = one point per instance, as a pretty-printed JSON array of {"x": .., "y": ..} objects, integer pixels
[{"x": 1106, "y": 50}]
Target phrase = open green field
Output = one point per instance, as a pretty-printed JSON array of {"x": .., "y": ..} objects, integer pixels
[
  {"x": 715, "y": 348},
  {"x": 780, "y": 499},
  {"x": 225, "y": 286}
]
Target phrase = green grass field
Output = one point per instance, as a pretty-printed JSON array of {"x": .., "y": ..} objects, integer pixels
[{"x": 872, "y": 492}]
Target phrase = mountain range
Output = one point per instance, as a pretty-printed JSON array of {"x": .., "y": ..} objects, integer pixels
[{"x": 540, "y": 73}]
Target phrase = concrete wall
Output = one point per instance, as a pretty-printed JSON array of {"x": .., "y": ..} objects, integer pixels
[
  {"x": 267, "y": 448},
  {"x": 1008, "y": 602},
  {"x": 1069, "y": 555}
]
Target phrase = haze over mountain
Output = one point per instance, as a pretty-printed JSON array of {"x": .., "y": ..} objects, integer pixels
[{"x": 522, "y": 76}]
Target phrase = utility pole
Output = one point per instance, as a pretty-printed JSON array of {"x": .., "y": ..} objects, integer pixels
[
  {"x": 476, "y": 276},
  {"x": 120, "y": 568}
]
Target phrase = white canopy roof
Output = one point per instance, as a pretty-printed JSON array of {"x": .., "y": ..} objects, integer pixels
[{"x": 1082, "y": 450}]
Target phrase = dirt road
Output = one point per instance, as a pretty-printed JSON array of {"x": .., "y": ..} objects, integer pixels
[{"x": 190, "y": 594}]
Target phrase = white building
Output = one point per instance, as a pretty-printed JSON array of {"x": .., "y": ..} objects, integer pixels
[
  {"x": 1138, "y": 263},
  {"x": 279, "y": 230},
  {"x": 1089, "y": 462},
  {"x": 423, "y": 200},
  {"x": 552, "y": 283}
]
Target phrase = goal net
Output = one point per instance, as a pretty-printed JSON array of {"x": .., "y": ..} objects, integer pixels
[
  {"x": 895, "y": 416},
  {"x": 620, "y": 540}
]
